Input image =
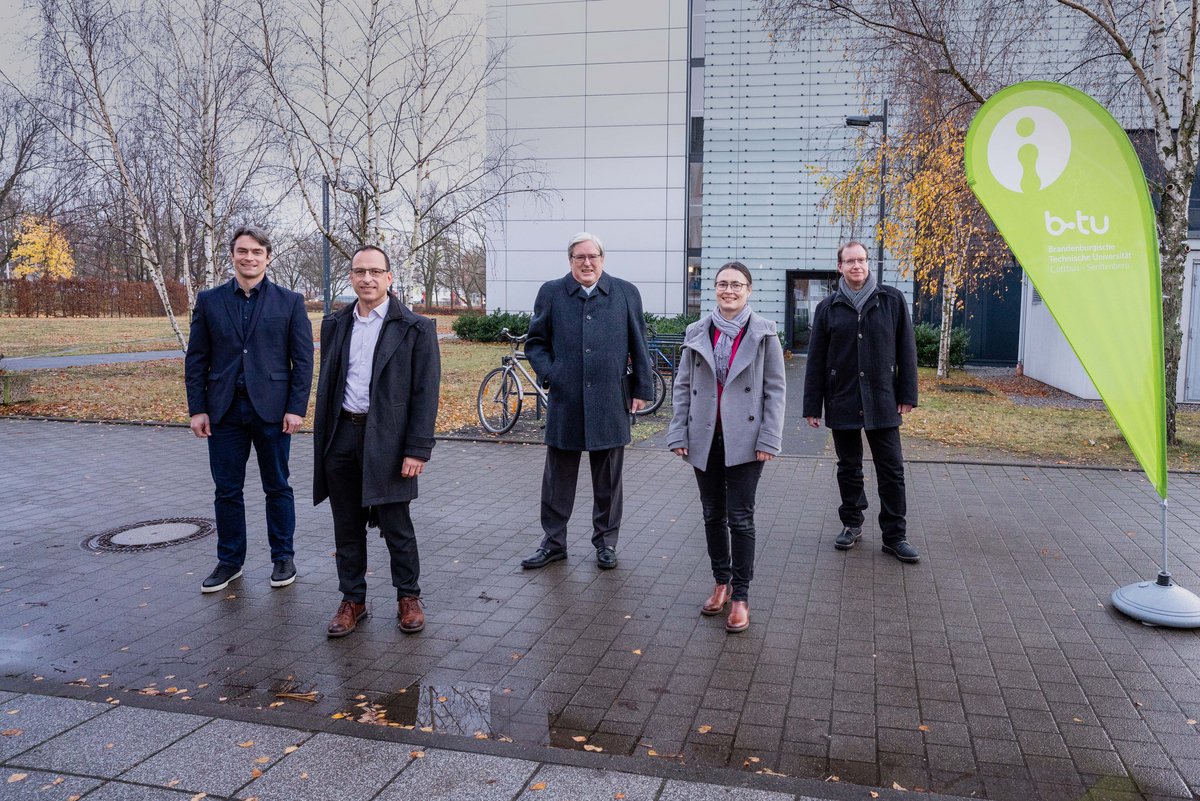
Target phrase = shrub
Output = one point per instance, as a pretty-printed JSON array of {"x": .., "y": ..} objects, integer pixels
[
  {"x": 661, "y": 324},
  {"x": 927, "y": 345},
  {"x": 486, "y": 327}
]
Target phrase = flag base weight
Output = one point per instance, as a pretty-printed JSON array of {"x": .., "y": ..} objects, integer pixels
[{"x": 1159, "y": 603}]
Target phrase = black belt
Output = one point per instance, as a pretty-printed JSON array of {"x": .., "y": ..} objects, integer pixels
[{"x": 358, "y": 418}]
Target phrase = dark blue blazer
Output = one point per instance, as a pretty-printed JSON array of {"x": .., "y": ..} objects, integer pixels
[{"x": 276, "y": 353}]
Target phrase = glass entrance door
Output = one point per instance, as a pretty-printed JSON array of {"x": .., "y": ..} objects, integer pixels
[{"x": 805, "y": 290}]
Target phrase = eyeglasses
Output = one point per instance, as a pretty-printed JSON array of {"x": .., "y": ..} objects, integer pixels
[
  {"x": 852, "y": 262},
  {"x": 731, "y": 286},
  {"x": 581, "y": 258},
  {"x": 362, "y": 272}
]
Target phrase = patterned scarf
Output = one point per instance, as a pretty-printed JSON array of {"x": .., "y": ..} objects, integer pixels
[{"x": 729, "y": 329}]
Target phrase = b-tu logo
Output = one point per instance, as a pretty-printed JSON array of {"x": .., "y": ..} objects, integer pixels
[
  {"x": 1083, "y": 223},
  {"x": 1029, "y": 149}
]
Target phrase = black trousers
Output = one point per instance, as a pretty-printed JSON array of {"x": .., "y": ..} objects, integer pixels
[
  {"x": 343, "y": 476},
  {"x": 559, "y": 478},
  {"x": 727, "y": 502},
  {"x": 889, "y": 472}
]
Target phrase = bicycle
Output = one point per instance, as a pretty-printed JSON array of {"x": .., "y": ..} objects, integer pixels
[
  {"x": 502, "y": 394},
  {"x": 662, "y": 367}
]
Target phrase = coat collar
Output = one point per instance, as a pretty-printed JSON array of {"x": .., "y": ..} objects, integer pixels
[
  {"x": 604, "y": 284},
  {"x": 699, "y": 339}
]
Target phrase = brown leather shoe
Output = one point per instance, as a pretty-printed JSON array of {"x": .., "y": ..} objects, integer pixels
[
  {"x": 739, "y": 616},
  {"x": 346, "y": 619},
  {"x": 716, "y": 602},
  {"x": 412, "y": 619}
]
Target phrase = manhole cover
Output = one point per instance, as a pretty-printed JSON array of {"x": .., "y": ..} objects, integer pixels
[{"x": 150, "y": 534}]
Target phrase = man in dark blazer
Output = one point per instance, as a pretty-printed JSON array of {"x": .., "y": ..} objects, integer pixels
[
  {"x": 586, "y": 332},
  {"x": 248, "y": 373},
  {"x": 862, "y": 371},
  {"x": 377, "y": 401}
]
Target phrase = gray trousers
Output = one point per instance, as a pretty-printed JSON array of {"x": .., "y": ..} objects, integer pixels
[{"x": 559, "y": 479}]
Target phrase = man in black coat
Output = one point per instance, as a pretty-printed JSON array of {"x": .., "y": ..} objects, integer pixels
[
  {"x": 248, "y": 373},
  {"x": 586, "y": 334},
  {"x": 862, "y": 370},
  {"x": 377, "y": 401}
]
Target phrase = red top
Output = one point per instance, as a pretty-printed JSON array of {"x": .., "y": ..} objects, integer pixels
[{"x": 732, "y": 352}]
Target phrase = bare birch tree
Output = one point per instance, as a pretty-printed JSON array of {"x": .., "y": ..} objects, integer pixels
[
  {"x": 384, "y": 101},
  {"x": 22, "y": 148},
  {"x": 1146, "y": 46},
  {"x": 85, "y": 52}
]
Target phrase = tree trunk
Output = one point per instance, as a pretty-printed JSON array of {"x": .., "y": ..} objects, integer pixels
[
  {"x": 949, "y": 298},
  {"x": 1173, "y": 249}
]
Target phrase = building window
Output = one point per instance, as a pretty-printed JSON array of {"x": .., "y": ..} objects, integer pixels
[{"x": 693, "y": 285}]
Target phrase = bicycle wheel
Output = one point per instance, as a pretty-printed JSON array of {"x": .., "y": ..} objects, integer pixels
[
  {"x": 660, "y": 394},
  {"x": 499, "y": 402}
]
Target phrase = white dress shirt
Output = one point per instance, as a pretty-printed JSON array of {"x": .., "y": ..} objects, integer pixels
[{"x": 363, "y": 338}]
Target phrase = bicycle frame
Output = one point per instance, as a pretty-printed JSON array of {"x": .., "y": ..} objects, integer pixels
[{"x": 514, "y": 361}]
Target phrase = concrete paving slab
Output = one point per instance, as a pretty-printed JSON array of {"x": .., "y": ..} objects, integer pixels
[
  {"x": 218, "y": 758},
  {"x": 458, "y": 776},
  {"x": 7, "y": 696},
  {"x": 111, "y": 743},
  {"x": 695, "y": 791},
  {"x": 36, "y": 785},
  {"x": 562, "y": 783},
  {"x": 332, "y": 766},
  {"x": 120, "y": 791},
  {"x": 30, "y": 720}
]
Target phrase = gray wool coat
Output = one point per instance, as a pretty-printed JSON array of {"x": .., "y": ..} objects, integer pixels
[
  {"x": 405, "y": 380},
  {"x": 752, "y": 402},
  {"x": 579, "y": 346}
]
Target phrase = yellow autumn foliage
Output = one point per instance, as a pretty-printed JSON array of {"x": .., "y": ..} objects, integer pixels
[{"x": 42, "y": 250}]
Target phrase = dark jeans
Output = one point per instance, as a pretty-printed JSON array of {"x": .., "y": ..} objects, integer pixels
[
  {"x": 727, "y": 502},
  {"x": 228, "y": 450},
  {"x": 889, "y": 473},
  {"x": 559, "y": 478},
  {"x": 343, "y": 477}
]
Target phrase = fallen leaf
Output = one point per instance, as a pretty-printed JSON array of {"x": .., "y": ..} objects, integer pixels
[
  {"x": 427, "y": 729},
  {"x": 310, "y": 697},
  {"x": 896, "y": 786},
  {"x": 1191, "y": 721},
  {"x": 291, "y": 748},
  {"x": 304, "y": 776},
  {"x": 753, "y": 759},
  {"x": 834, "y": 779},
  {"x": 199, "y": 797},
  {"x": 629, "y": 617},
  {"x": 17, "y": 777},
  {"x": 874, "y": 794},
  {"x": 651, "y": 752},
  {"x": 538, "y": 787},
  {"x": 185, "y": 648},
  {"x": 1077, "y": 719},
  {"x": 441, "y": 699},
  {"x": 173, "y": 782},
  {"x": 275, "y": 704},
  {"x": 109, "y": 745},
  {"x": 579, "y": 738},
  {"x": 246, "y": 744},
  {"x": 255, "y": 773},
  {"x": 262, "y": 760},
  {"x": 618, "y": 796},
  {"x": 590, "y": 747},
  {"x": 360, "y": 698},
  {"x": 480, "y": 735},
  {"x": 922, "y": 727},
  {"x": 337, "y": 716},
  {"x": 12, "y": 732},
  {"x": 417, "y": 754},
  {"x": 637, "y": 651},
  {"x": 705, "y": 729}
]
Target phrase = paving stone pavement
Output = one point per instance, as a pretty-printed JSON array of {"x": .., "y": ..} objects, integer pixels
[{"x": 995, "y": 668}]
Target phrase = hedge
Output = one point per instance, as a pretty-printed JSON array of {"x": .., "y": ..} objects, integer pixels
[{"x": 928, "y": 336}]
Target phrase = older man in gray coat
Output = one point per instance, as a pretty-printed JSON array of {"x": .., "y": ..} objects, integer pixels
[{"x": 587, "y": 343}]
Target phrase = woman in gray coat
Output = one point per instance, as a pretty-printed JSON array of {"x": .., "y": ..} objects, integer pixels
[{"x": 728, "y": 401}]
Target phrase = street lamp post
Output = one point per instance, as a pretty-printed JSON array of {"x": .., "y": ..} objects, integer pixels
[
  {"x": 863, "y": 121},
  {"x": 325, "y": 276}
]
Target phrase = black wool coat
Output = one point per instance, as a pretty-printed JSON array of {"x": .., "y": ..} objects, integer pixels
[
  {"x": 861, "y": 367},
  {"x": 405, "y": 378},
  {"x": 579, "y": 346}
]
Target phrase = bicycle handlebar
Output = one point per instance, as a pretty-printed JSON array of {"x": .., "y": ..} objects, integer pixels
[{"x": 513, "y": 339}]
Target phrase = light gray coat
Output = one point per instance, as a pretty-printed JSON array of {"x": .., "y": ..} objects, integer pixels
[{"x": 752, "y": 403}]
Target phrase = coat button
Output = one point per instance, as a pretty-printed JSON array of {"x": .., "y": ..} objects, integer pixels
[
  {"x": 862, "y": 374},
  {"x": 752, "y": 418},
  {"x": 694, "y": 391},
  {"x": 860, "y": 412},
  {"x": 747, "y": 389},
  {"x": 245, "y": 351},
  {"x": 589, "y": 317},
  {"x": 860, "y": 336},
  {"x": 589, "y": 384},
  {"x": 587, "y": 350}
]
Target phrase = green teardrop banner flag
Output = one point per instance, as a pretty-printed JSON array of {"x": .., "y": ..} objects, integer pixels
[{"x": 1061, "y": 181}]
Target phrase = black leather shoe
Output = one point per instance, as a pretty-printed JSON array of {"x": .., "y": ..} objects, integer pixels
[
  {"x": 542, "y": 557},
  {"x": 283, "y": 574},
  {"x": 219, "y": 579},
  {"x": 847, "y": 539},
  {"x": 606, "y": 557},
  {"x": 903, "y": 551}
]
